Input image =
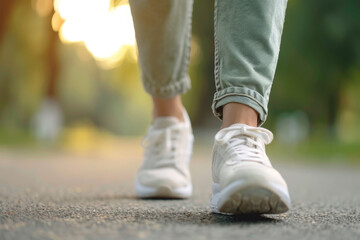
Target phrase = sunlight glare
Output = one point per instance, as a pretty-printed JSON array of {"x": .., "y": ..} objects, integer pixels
[
  {"x": 104, "y": 31},
  {"x": 107, "y": 37},
  {"x": 86, "y": 9}
]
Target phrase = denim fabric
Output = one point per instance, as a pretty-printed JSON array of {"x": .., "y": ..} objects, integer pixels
[
  {"x": 163, "y": 32},
  {"x": 247, "y": 43}
]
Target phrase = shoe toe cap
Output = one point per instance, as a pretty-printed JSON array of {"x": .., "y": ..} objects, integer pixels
[
  {"x": 252, "y": 174},
  {"x": 163, "y": 177}
]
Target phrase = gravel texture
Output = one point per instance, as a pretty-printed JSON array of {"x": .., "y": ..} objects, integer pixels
[{"x": 59, "y": 195}]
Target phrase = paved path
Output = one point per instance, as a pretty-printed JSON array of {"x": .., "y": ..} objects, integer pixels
[{"x": 55, "y": 195}]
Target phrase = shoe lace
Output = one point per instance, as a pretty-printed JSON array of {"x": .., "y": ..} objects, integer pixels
[
  {"x": 245, "y": 143},
  {"x": 161, "y": 145}
]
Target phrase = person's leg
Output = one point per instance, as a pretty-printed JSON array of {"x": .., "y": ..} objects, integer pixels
[
  {"x": 164, "y": 107},
  {"x": 247, "y": 41},
  {"x": 234, "y": 112},
  {"x": 163, "y": 31}
]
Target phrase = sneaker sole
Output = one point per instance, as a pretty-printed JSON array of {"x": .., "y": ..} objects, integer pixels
[
  {"x": 243, "y": 198},
  {"x": 163, "y": 191}
]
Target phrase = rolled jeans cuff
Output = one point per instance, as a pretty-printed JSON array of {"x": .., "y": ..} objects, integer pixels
[
  {"x": 242, "y": 95},
  {"x": 173, "y": 89}
]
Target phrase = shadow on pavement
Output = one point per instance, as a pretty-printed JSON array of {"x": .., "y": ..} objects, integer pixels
[
  {"x": 245, "y": 219},
  {"x": 175, "y": 211}
]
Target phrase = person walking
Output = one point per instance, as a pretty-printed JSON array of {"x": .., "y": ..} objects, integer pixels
[{"x": 247, "y": 44}]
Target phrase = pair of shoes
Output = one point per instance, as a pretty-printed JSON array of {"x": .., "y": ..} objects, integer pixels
[{"x": 244, "y": 180}]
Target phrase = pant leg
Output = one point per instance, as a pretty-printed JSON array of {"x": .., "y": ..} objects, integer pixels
[
  {"x": 247, "y": 43},
  {"x": 163, "y": 32}
]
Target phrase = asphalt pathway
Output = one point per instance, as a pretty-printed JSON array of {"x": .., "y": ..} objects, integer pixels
[{"x": 61, "y": 195}]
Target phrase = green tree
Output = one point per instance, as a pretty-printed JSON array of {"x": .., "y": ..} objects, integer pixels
[{"x": 321, "y": 46}]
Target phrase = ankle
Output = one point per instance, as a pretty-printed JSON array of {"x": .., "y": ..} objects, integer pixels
[
  {"x": 168, "y": 107},
  {"x": 239, "y": 113}
]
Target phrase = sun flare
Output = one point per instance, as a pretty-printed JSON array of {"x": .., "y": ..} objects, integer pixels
[{"x": 102, "y": 29}]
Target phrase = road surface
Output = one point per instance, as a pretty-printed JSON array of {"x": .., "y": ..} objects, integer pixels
[{"x": 62, "y": 195}]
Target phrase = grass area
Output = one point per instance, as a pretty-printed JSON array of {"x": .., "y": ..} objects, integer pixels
[
  {"x": 319, "y": 150},
  {"x": 15, "y": 137},
  {"x": 315, "y": 150}
]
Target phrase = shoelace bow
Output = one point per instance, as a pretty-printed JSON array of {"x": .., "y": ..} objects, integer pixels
[
  {"x": 160, "y": 144},
  {"x": 246, "y": 143}
]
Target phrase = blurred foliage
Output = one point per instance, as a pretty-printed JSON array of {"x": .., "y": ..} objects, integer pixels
[
  {"x": 319, "y": 60},
  {"x": 316, "y": 150},
  {"x": 318, "y": 73}
]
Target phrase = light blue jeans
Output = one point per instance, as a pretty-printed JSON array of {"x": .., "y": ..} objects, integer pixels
[{"x": 247, "y": 43}]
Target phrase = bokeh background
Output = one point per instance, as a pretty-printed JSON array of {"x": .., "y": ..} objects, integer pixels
[{"x": 69, "y": 79}]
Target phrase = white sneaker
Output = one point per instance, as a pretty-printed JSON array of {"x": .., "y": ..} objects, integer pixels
[
  {"x": 164, "y": 172},
  {"x": 244, "y": 180}
]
